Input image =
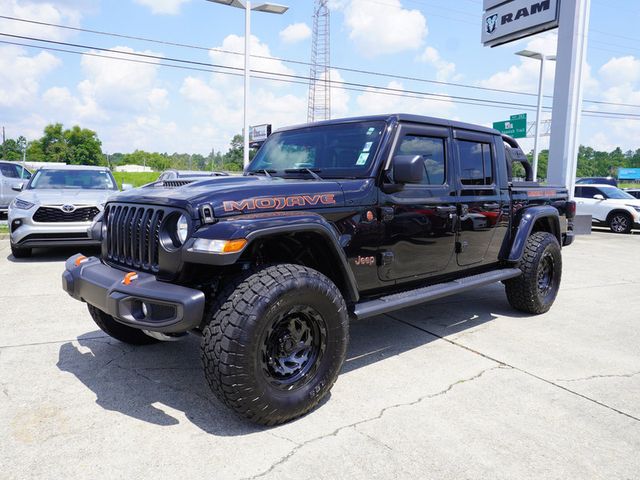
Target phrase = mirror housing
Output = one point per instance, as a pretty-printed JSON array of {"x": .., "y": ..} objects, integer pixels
[
  {"x": 17, "y": 187},
  {"x": 598, "y": 197},
  {"x": 126, "y": 186},
  {"x": 408, "y": 168}
]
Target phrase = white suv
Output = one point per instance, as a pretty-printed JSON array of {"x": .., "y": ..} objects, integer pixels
[{"x": 608, "y": 206}]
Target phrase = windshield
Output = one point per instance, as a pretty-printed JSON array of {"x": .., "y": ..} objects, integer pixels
[
  {"x": 616, "y": 193},
  {"x": 339, "y": 150},
  {"x": 75, "y": 179}
]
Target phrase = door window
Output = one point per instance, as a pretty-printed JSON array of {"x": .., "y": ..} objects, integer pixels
[
  {"x": 587, "y": 192},
  {"x": 476, "y": 167},
  {"x": 432, "y": 151},
  {"x": 9, "y": 171}
]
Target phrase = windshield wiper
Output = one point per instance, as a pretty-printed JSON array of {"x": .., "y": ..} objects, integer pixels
[
  {"x": 263, "y": 170},
  {"x": 305, "y": 170}
]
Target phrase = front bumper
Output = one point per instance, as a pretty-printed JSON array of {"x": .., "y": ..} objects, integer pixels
[
  {"x": 24, "y": 232},
  {"x": 146, "y": 303}
]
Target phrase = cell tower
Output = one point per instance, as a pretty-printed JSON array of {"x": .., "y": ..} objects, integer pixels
[{"x": 319, "y": 84}]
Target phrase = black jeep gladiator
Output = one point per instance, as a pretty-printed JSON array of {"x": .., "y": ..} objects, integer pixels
[{"x": 331, "y": 222}]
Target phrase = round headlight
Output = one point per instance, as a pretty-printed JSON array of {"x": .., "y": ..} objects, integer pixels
[{"x": 182, "y": 228}]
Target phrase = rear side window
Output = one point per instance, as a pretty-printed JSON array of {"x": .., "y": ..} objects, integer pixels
[
  {"x": 476, "y": 165},
  {"x": 587, "y": 192},
  {"x": 432, "y": 151}
]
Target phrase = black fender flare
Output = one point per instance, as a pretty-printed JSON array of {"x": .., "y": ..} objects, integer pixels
[
  {"x": 527, "y": 220},
  {"x": 259, "y": 226}
]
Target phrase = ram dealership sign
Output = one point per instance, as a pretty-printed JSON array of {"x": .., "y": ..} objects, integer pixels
[{"x": 508, "y": 20}]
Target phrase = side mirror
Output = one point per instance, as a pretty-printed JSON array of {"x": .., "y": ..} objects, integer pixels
[
  {"x": 17, "y": 187},
  {"x": 598, "y": 197},
  {"x": 127, "y": 186},
  {"x": 408, "y": 168}
]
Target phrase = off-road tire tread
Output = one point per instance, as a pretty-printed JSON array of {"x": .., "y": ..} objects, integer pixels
[
  {"x": 222, "y": 341},
  {"x": 121, "y": 332},
  {"x": 522, "y": 291}
]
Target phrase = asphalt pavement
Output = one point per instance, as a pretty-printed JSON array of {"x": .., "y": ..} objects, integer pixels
[{"x": 465, "y": 387}]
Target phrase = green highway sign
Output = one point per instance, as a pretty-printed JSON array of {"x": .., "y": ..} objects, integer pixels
[{"x": 515, "y": 127}]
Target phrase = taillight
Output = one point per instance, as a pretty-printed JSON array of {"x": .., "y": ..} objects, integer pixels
[{"x": 571, "y": 209}]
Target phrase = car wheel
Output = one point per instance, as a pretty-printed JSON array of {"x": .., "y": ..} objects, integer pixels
[
  {"x": 274, "y": 347},
  {"x": 536, "y": 289},
  {"x": 620, "y": 222},
  {"x": 20, "y": 252},
  {"x": 117, "y": 330}
]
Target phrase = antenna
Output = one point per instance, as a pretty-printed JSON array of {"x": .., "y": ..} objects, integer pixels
[{"x": 319, "y": 107}]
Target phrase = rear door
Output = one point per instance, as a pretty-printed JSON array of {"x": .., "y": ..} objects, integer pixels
[
  {"x": 418, "y": 220},
  {"x": 480, "y": 199},
  {"x": 9, "y": 176}
]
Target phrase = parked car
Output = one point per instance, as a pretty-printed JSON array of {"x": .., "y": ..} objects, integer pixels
[
  {"x": 12, "y": 177},
  {"x": 179, "y": 178},
  {"x": 633, "y": 191},
  {"x": 339, "y": 220},
  {"x": 597, "y": 180},
  {"x": 608, "y": 206},
  {"x": 57, "y": 207}
]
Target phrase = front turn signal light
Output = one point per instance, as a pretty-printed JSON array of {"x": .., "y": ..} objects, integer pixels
[
  {"x": 218, "y": 246},
  {"x": 79, "y": 260}
]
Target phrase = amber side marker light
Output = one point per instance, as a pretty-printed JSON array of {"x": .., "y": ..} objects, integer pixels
[
  {"x": 80, "y": 259},
  {"x": 233, "y": 246},
  {"x": 129, "y": 277}
]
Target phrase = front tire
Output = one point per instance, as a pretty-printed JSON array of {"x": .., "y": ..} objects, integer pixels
[
  {"x": 121, "y": 332},
  {"x": 536, "y": 289},
  {"x": 620, "y": 222},
  {"x": 275, "y": 346},
  {"x": 20, "y": 252}
]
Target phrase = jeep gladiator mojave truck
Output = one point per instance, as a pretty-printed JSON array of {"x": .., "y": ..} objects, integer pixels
[{"x": 337, "y": 220}]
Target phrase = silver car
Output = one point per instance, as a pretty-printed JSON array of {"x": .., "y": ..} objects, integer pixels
[
  {"x": 12, "y": 177},
  {"x": 57, "y": 207}
]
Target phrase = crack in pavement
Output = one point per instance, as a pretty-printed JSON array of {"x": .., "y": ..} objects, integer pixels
[
  {"x": 380, "y": 414},
  {"x": 521, "y": 370},
  {"x": 593, "y": 377},
  {"x": 55, "y": 341}
]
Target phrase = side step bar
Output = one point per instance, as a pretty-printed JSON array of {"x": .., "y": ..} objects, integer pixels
[{"x": 425, "y": 294}]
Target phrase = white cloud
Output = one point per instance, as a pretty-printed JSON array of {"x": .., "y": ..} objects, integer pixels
[
  {"x": 48, "y": 12},
  {"x": 163, "y": 7},
  {"x": 620, "y": 70},
  {"x": 296, "y": 32},
  {"x": 444, "y": 70},
  {"x": 266, "y": 62},
  {"x": 21, "y": 74},
  {"x": 384, "y": 28}
]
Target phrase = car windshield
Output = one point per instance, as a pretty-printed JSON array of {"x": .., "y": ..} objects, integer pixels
[
  {"x": 74, "y": 179},
  {"x": 339, "y": 150},
  {"x": 616, "y": 193}
]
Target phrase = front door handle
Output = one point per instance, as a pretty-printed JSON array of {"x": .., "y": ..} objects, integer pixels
[
  {"x": 491, "y": 206},
  {"x": 446, "y": 209}
]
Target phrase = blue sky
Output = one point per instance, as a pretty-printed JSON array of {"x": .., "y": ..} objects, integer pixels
[{"x": 153, "y": 107}]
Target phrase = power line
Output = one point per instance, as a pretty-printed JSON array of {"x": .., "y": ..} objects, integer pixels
[
  {"x": 268, "y": 75},
  {"x": 298, "y": 62}
]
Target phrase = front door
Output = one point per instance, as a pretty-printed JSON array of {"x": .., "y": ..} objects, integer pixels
[
  {"x": 419, "y": 220},
  {"x": 480, "y": 201}
]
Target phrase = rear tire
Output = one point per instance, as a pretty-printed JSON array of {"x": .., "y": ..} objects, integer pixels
[
  {"x": 20, "y": 252},
  {"x": 536, "y": 289},
  {"x": 121, "y": 332},
  {"x": 620, "y": 222},
  {"x": 274, "y": 347}
]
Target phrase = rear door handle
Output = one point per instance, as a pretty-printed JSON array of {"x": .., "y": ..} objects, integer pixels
[{"x": 491, "y": 206}]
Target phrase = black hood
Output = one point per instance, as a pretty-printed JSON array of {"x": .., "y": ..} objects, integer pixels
[{"x": 242, "y": 194}]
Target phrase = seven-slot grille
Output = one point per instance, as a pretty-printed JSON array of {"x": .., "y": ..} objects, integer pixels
[
  {"x": 56, "y": 215},
  {"x": 133, "y": 235}
]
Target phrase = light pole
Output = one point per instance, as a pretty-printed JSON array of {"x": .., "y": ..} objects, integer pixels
[
  {"x": 259, "y": 7},
  {"x": 536, "y": 142}
]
